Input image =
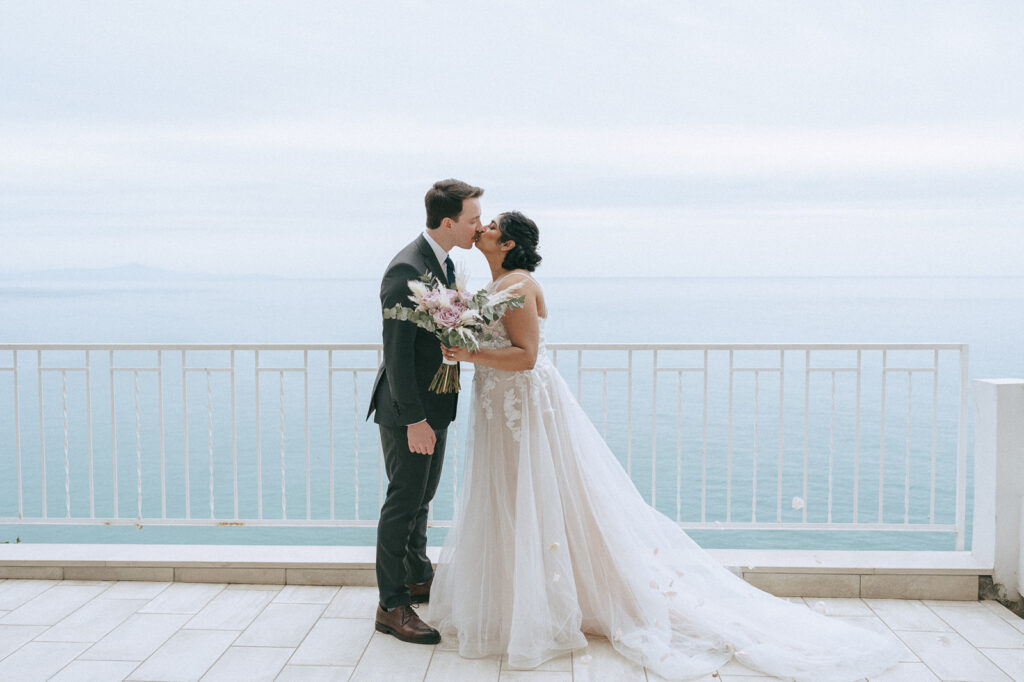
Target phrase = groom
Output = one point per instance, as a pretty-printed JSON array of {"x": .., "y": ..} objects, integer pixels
[{"x": 413, "y": 421}]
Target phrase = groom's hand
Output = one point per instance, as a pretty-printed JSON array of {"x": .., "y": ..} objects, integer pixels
[{"x": 421, "y": 438}]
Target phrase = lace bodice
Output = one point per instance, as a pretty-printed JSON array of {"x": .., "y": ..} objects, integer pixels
[{"x": 499, "y": 334}]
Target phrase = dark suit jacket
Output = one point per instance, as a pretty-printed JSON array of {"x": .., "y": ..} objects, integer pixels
[{"x": 411, "y": 355}]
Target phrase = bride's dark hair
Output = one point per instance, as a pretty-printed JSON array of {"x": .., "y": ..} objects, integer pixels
[{"x": 523, "y": 231}]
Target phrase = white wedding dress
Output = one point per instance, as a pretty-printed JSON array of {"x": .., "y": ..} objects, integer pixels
[{"x": 551, "y": 540}]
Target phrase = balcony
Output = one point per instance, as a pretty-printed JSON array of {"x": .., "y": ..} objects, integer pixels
[{"x": 218, "y": 488}]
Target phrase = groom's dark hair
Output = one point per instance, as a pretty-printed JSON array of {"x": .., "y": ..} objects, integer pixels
[{"x": 444, "y": 200}]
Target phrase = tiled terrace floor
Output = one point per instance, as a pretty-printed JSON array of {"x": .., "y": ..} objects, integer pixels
[{"x": 79, "y": 631}]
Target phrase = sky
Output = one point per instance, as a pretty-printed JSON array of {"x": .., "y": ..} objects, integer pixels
[{"x": 646, "y": 138}]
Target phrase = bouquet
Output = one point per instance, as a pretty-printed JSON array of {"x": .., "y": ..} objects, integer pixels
[{"x": 455, "y": 316}]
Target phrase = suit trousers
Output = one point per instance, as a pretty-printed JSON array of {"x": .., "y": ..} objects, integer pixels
[{"x": 402, "y": 529}]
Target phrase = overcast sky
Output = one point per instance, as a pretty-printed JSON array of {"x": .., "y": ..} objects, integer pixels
[{"x": 646, "y": 138}]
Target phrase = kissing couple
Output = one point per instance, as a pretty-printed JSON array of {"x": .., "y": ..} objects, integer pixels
[{"x": 551, "y": 541}]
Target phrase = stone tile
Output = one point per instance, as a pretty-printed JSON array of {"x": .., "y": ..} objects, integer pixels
[
  {"x": 875, "y": 623},
  {"x": 387, "y": 658},
  {"x": 182, "y": 598},
  {"x": 951, "y": 657},
  {"x": 559, "y": 664},
  {"x": 186, "y": 656},
  {"x": 53, "y": 605},
  {"x": 959, "y": 587},
  {"x": 152, "y": 574},
  {"x": 806, "y": 584},
  {"x": 306, "y": 594},
  {"x": 274, "y": 576},
  {"x": 534, "y": 676},
  {"x": 713, "y": 677},
  {"x": 996, "y": 608},
  {"x": 32, "y": 572},
  {"x": 39, "y": 660},
  {"x": 85, "y": 583},
  {"x": 95, "y": 671},
  {"x": 137, "y": 638},
  {"x": 315, "y": 673},
  {"x": 251, "y": 663},
  {"x": 133, "y": 589},
  {"x": 14, "y": 636},
  {"x": 448, "y": 666},
  {"x": 900, "y": 614},
  {"x": 255, "y": 586},
  {"x": 981, "y": 627},
  {"x": 14, "y": 593},
  {"x": 354, "y": 602},
  {"x": 448, "y": 642},
  {"x": 1010, "y": 661},
  {"x": 906, "y": 672},
  {"x": 951, "y": 602},
  {"x": 840, "y": 607},
  {"x": 231, "y": 610},
  {"x": 93, "y": 621},
  {"x": 334, "y": 641},
  {"x": 604, "y": 664},
  {"x": 281, "y": 625},
  {"x": 364, "y": 577}
]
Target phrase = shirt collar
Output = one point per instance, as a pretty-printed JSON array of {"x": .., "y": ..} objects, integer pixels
[{"x": 438, "y": 250}]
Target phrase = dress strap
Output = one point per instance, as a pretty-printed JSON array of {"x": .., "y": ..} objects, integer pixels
[{"x": 509, "y": 274}]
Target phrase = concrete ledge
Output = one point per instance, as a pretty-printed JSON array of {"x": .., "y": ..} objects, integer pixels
[
  {"x": 806, "y": 584},
  {"x": 785, "y": 573}
]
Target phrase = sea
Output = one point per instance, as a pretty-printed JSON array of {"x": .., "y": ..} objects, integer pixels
[{"x": 145, "y": 306}]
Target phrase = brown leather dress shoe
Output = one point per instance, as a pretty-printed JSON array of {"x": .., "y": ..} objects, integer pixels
[
  {"x": 420, "y": 592},
  {"x": 405, "y": 624}
]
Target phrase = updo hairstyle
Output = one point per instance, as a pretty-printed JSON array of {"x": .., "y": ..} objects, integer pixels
[{"x": 523, "y": 231}]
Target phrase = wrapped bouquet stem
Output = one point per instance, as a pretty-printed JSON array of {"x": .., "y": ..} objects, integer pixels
[{"x": 456, "y": 316}]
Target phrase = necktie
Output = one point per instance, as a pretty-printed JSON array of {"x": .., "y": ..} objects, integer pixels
[{"x": 449, "y": 267}]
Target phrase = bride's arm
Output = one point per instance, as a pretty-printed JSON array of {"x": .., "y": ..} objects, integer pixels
[{"x": 523, "y": 331}]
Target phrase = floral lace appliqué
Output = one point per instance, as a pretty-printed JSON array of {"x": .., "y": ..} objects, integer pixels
[
  {"x": 513, "y": 413},
  {"x": 488, "y": 382}
]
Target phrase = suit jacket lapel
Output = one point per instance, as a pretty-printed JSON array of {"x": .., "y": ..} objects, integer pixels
[{"x": 430, "y": 259}]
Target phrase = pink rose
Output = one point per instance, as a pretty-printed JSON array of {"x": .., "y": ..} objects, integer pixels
[
  {"x": 448, "y": 317},
  {"x": 431, "y": 298}
]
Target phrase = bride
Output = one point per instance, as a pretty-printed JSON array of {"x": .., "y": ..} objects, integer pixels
[{"x": 551, "y": 539}]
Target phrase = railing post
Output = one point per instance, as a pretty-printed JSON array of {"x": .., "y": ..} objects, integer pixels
[{"x": 999, "y": 481}]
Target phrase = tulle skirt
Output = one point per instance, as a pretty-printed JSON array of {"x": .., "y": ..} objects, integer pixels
[{"x": 552, "y": 540}]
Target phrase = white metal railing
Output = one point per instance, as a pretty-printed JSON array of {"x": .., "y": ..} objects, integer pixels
[{"x": 714, "y": 435}]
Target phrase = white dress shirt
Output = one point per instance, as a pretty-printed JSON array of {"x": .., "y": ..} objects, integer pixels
[{"x": 438, "y": 251}]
